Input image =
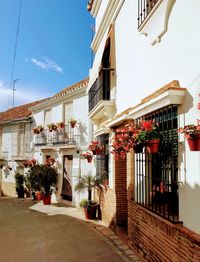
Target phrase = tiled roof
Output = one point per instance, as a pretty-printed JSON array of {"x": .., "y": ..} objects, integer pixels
[
  {"x": 19, "y": 112},
  {"x": 65, "y": 91},
  {"x": 89, "y": 5}
]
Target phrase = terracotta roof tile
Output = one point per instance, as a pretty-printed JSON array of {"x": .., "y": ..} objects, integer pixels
[{"x": 19, "y": 112}]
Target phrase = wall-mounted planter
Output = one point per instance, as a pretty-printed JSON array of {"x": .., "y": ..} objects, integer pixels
[
  {"x": 194, "y": 142},
  {"x": 153, "y": 146}
]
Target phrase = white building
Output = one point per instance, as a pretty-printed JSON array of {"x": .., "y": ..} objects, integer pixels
[
  {"x": 146, "y": 66},
  {"x": 66, "y": 144},
  {"x": 15, "y": 145}
]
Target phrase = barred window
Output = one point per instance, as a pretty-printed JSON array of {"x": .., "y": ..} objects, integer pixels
[
  {"x": 157, "y": 174},
  {"x": 102, "y": 161}
]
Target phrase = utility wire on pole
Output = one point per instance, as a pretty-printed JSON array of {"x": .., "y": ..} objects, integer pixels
[
  {"x": 14, "y": 89},
  {"x": 15, "y": 50}
]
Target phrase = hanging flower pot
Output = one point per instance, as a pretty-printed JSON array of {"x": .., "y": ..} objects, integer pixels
[
  {"x": 97, "y": 151},
  {"x": 194, "y": 142},
  {"x": 153, "y": 146},
  {"x": 138, "y": 148},
  {"x": 72, "y": 122},
  {"x": 89, "y": 159}
]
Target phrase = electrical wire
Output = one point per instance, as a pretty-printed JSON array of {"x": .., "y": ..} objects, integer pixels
[{"x": 15, "y": 50}]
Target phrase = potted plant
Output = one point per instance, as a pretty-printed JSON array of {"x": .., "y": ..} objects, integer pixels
[
  {"x": 149, "y": 134},
  {"x": 52, "y": 127},
  {"x": 60, "y": 125},
  {"x": 192, "y": 135},
  {"x": 50, "y": 161},
  {"x": 88, "y": 182},
  {"x": 125, "y": 139},
  {"x": 88, "y": 156},
  {"x": 38, "y": 129},
  {"x": 43, "y": 178},
  {"x": 19, "y": 182},
  {"x": 95, "y": 147},
  {"x": 72, "y": 122}
]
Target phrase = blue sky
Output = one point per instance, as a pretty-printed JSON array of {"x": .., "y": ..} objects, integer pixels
[{"x": 53, "y": 47}]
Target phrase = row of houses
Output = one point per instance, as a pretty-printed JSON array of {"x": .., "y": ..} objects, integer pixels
[
  {"x": 145, "y": 67},
  {"x": 19, "y": 143}
]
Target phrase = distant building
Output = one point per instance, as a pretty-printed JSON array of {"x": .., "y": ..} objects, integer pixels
[
  {"x": 146, "y": 67},
  {"x": 15, "y": 144}
]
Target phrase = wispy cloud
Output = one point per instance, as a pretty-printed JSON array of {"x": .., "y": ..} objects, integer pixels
[
  {"x": 47, "y": 64},
  {"x": 22, "y": 96}
]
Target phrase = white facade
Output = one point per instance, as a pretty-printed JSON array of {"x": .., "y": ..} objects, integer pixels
[
  {"x": 63, "y": 107},
  {"x": 15, "y": 147},
  {"x": 144, "y": 64}
]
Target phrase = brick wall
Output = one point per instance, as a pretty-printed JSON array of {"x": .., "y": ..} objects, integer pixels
[
  {"x": 121, "y": 192},
  {"x": 157, "y": 239},
  {"x": 107, "y": 200}
]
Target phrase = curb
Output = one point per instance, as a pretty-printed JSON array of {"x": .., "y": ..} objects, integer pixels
[{"x": 123, "y": 249}]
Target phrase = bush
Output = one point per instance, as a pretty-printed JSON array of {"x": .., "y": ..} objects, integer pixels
[{"x": 42, "y": 178}]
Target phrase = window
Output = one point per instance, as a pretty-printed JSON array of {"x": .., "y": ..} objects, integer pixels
[
  {"x": 102, "y": 160},
  {"x": 100, "y": 90},
  {"x": 68, "y": 112},
  {"x": 47, "y": 117},
  {"x": 157, "y": 174}
]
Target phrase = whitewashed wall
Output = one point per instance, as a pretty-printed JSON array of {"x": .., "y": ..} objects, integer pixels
[{"x": 142, "y": 69}]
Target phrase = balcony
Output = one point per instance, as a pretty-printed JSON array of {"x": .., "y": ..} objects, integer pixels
[
  {"x": 144, "y": 9},
  {"x": 65, "y": 136},
  {"x": 101, "y": 107}
]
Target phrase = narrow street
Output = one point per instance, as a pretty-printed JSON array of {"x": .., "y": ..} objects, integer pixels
[{"x": 28, "y": 235}]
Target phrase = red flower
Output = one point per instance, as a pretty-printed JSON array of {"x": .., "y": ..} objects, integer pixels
[{"x": 148, "y": 125}]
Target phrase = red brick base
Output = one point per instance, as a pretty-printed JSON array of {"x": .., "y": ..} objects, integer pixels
[{"x": 156, "y": 239}]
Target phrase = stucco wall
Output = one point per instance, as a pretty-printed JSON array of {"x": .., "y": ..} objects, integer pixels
[{"x": 142, "y": 69}]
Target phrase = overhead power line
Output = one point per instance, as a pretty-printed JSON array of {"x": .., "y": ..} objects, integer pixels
[{"x": 15, "y": 50}]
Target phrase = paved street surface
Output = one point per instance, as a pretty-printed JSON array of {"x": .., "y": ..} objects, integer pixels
[{"x": 29, "y": 235}]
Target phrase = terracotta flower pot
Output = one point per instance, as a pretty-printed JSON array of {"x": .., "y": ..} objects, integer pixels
[
  {"x": 89, "y": 159},
  {"x": 153, "y": 146},
  {"x": 38, "y": 195},
  {"x": 46, "y": 200},
  {"x": 90, "y": 213},
  {"x": 72, "y": 125},
  {"x": 96, "y": 151},
  {"x": 194, "y": 142}
]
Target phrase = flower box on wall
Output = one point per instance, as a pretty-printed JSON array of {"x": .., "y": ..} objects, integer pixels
[{"x": 192, "y": 135}]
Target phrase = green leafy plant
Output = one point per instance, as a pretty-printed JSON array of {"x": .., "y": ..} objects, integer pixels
[
  {"x": 42, "y": 178},
  {"x": 19, "y": 182},
  {"x": 148, "y": 130}
]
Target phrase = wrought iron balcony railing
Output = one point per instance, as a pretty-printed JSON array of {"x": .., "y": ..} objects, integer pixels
[
  {"x": 64, "y": 136},
  {"x": 144, "y": 9},
  {"x": 100, "y": 90}
]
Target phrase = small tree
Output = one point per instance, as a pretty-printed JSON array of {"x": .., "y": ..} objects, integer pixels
[
  {"x": 42, "y": 178},
  {"x": 88, "y": 182}
]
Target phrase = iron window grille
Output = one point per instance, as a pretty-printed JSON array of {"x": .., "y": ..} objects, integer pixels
[
  {"x": 157, "y": 174},
  {"x": 102, "y": 160},
  {"x": 144, "y": 9}
]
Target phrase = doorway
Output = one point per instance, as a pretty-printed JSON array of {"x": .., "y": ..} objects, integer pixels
[{"x": 67, "y": 177}]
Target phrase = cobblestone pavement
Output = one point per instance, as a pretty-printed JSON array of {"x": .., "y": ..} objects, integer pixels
[{"x": 34, "y": 232}]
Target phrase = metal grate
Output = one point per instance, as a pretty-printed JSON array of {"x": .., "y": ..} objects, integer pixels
[
  {"x": 144, "y": 8},
  {"x": 102, "y": 161},
  {"x": 157, "y": 174},
  {"x": 66, "y": 136}
]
